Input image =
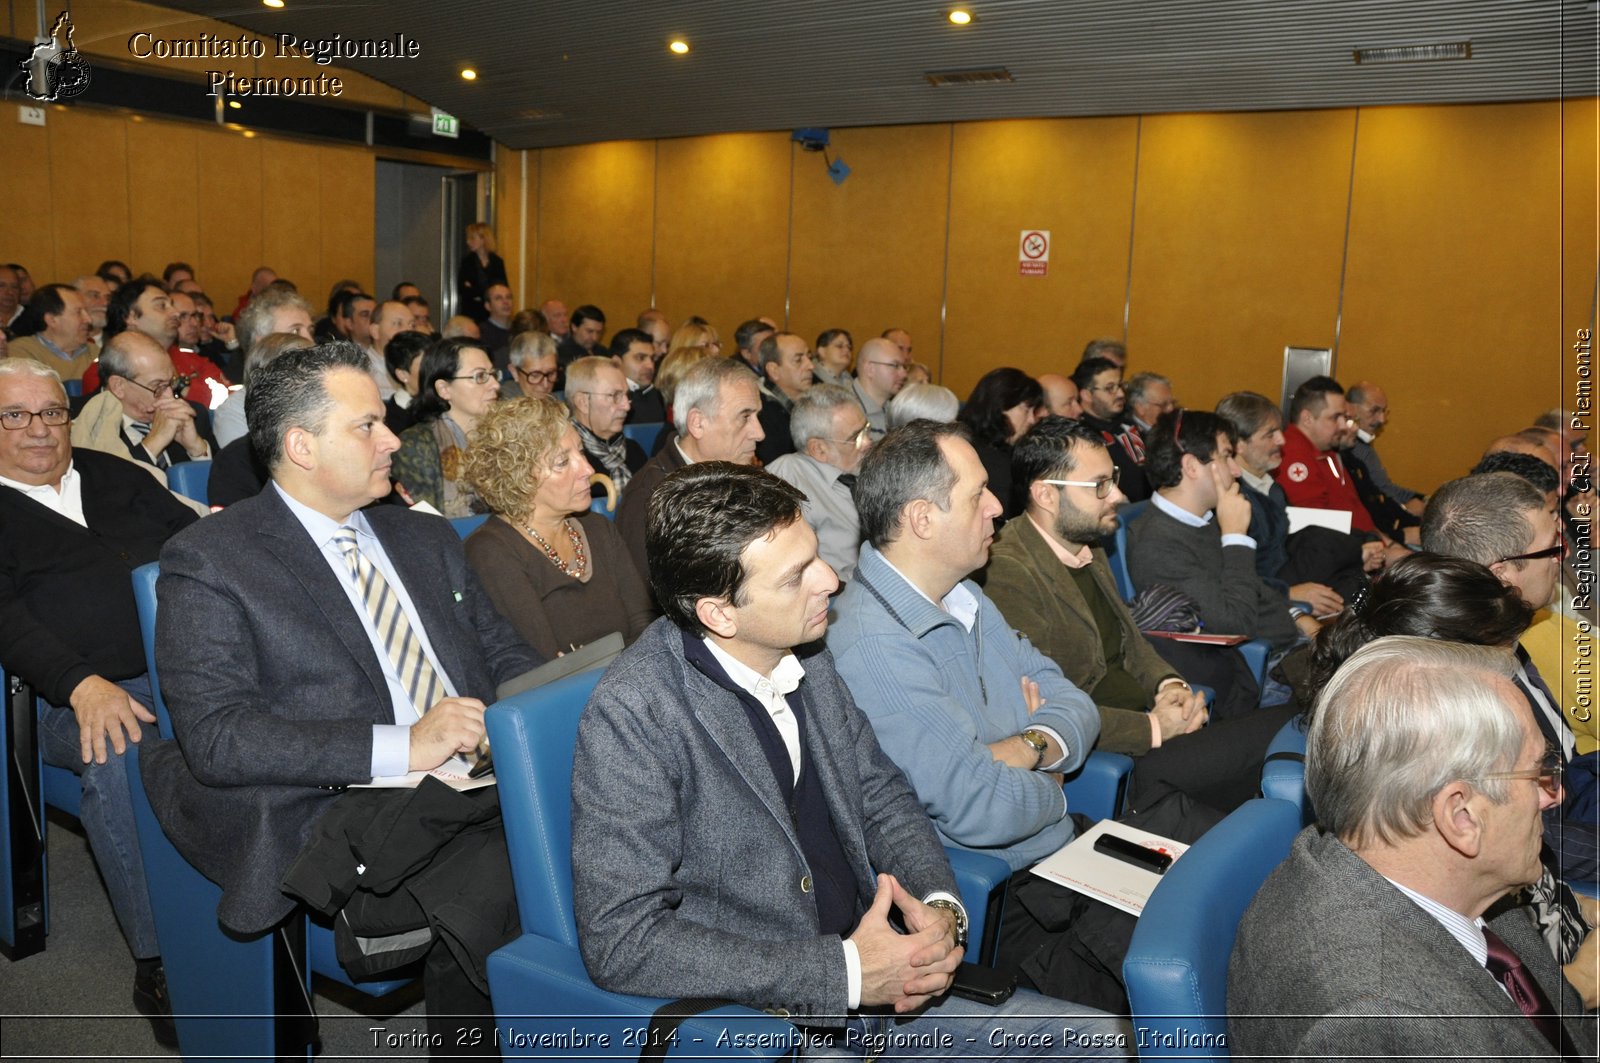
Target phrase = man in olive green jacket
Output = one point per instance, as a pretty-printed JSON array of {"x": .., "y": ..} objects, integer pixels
[{"x": 1053, "y": 583}]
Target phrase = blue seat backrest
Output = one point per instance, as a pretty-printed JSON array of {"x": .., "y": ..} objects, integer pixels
[
  {"x": 1176, "y": 969},
  {"x": 1117, "y": 551},
  {"x": 1283, "y": 774},
  {"x": 644, "y": 434},
  {"x": 533, "y": 735},
  {"x": 191, "y": 479},
  {"x": 144, "y": 600},
  {"x": 465, "y": 526}
]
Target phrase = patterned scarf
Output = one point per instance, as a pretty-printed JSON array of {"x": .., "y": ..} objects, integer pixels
[{"x": 612, "y": 454}]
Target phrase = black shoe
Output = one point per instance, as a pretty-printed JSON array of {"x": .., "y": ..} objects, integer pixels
[{"x": 151, "y": 1000}]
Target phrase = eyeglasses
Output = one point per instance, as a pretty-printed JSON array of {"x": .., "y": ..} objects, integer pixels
[
  {"x": 1102, "y": 488},
  {"x": 478, "y": 376},
  {"x": 614, "y": 396},
  {"x": 537, "y": 376},
  {"x": 165, "y": 387},
  {"x": 1547, "y": 774},
  {"x": 1558, "y": 550},
  {"x": 860, "y": 440},
  {"x": 18, "y": 420}
]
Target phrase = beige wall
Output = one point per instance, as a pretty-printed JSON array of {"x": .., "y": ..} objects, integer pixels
[{"x": 1470, "y": 259}]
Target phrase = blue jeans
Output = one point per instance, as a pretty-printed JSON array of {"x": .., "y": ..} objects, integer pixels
[
  {"x": 1028, "y": 1026},
  {"x": 107, "y": 816}
]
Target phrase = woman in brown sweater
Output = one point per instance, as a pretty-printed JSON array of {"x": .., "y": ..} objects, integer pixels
[{"x": 558, "y": 572}]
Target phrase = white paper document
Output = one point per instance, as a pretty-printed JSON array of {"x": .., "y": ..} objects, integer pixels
[
  {"x": 1305, "y": 517},
  {"x": 1078, "y": 867},
  {"x": 453, "y": 773}
]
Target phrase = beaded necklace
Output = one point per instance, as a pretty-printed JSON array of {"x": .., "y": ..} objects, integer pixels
[{"x": 579, "y": 563}]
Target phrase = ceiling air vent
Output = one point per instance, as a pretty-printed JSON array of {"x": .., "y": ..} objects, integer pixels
[
  {"x": 993, "y": 76},
  {"x": 1413, "y": 53}
]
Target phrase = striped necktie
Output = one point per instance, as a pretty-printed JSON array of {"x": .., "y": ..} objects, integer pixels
[{"x": 394, "y": 629}]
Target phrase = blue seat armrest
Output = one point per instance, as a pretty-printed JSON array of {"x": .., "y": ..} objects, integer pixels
[
  {"x": 981, "y": 880},
  {"x": 1255, "y": 653},
  {"x": 1097, "y": 789},
  {"x": 541, "y": 990}
]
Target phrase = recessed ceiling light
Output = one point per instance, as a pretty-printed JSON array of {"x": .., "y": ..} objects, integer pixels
[
  {"x": 236, "y": 105},
  {"x": 679, "y": 47},
  {"x": 469, "y": 74},
  {"x": 273, "y": 3},
  {"x": 961, "y": 16}
]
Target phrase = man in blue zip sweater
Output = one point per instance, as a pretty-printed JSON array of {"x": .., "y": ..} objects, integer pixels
[{"x": 983, "y": 724}]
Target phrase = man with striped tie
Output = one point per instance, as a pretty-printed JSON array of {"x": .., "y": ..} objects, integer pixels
[{"x": 307, "y": 644}]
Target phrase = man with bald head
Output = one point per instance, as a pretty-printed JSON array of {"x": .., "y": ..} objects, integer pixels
[
  {"x": 881, "y": 369},
  {"x": 1369, "y": 405},
  {"x": 1061, "y": 396},
  {"x": 137, "y": 416},
  {"x": 556, "y": 317}
]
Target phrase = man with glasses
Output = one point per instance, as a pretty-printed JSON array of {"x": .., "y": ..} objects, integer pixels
[
  {"x": 144, "y": 305},
  {"x": 831, "y": 436},
  {"x": 532, "y": 361},
  {"x": 1503, "y": 522},
  {"x": 74, "y": 523},
  {"x": 1149, "y": 396},
  {"x": 1104, "y": 398},
  {"x": 1050, "y": 578},
  {"x": 1392, "y": 929},
  {"x": 881, "y": 369},
  {"x": 138, "y": 416},
  {"x": 597, "y": 393},
  {"x": 1369, "y": 405}
]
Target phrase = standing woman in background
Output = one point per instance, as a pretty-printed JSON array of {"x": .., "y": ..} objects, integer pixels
[{"x": 481, "y": 268}]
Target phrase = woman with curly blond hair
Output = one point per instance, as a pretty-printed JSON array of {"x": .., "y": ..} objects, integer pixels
[{"x": 558, "y": 572}]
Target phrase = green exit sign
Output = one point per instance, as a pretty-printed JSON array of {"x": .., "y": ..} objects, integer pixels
[{"x": 445, "y": 125}]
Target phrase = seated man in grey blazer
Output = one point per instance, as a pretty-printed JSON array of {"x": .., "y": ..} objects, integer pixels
[
  {"x": 740, "y": 833},
  {"x": 307, "y": 644},
  {"x": 1392, "y": 927}
]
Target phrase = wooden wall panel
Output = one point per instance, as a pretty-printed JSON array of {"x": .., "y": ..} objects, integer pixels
[
  {"x": 163, "y": 193},
  {"x": 515, "y": 217},
  {"x": 1237, "y": 246},
  {"x": 595, "y": 221},
  {"x": 1580, "y": 220},
  {"x": 869, "y": 254},
  {"x": 231, "y": 219},
  {"x": 1453, "y": 293},
  {"x": 291, "y": 212},
  {"x": 722, "y": 228},
  {"x": 347, "y": 190},
  {"x": 1074, "y": 179},
  {"x": 23, "y": 237},
  {"x": 89, "y": 189}
]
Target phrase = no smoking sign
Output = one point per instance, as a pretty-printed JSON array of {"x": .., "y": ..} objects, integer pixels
[{"x": 1033, "y": 253}]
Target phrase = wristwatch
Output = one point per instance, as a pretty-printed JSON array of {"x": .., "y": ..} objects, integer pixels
[
  {"x": 1040, "y": 744},
  {"x": 961, "y": 917}
]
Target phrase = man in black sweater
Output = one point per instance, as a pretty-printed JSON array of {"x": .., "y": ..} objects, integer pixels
[{"x": 73, "y": 525}]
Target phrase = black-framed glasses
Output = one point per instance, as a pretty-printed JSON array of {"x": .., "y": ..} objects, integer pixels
[
  {"x": 536, "y": 376},
  {"x": 18, "y": 420},
  {"x": 165, "y": 387},
  {"x": 1547, "y": 774},
  {"x": 1102, "y": 487},
  {"x": 1558, "y": 550},
  {"x": 478, "y": 376},
  {"x": 614, "y": 396}
]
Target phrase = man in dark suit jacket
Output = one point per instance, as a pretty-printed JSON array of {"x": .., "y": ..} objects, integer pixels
[
  {"x": 73, "y": 525},
  {"x": 728, "y": 719},
  {"x": 1428, "y": 776},
  {"x": 281, "y": 687}
]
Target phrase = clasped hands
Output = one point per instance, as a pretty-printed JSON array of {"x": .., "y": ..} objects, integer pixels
[{"x": 905, "y": 970}]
